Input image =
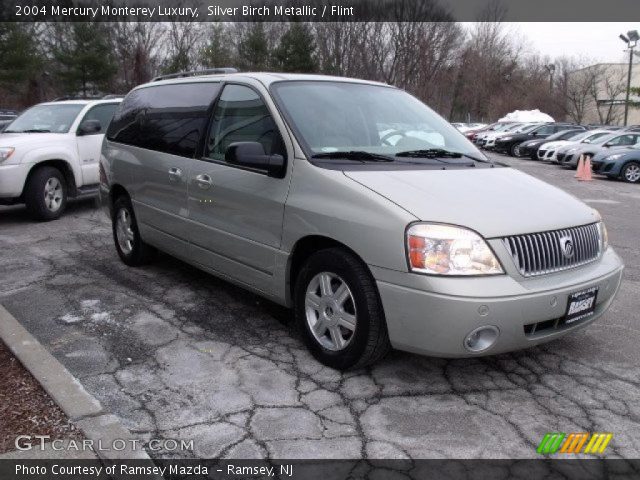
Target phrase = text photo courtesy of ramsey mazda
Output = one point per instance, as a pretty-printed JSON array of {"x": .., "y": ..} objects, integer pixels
[{"x": 275, "y": 244}]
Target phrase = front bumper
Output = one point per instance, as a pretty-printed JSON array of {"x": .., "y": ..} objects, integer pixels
[
  {"x": 433, "y": 315},
  {"x": 12, "y": 179}
]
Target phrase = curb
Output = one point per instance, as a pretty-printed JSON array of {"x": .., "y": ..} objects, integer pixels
[{"x": 79, "y": 405}]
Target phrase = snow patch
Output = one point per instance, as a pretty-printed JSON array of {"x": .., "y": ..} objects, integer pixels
[
  {"x": 68, "y": 319},
  {"x": 101, "y": 317},
  {"x": 527, "y": 116}
]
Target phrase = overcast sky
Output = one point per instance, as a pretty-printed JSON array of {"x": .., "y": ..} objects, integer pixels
[{"x": 597, "y": 41}]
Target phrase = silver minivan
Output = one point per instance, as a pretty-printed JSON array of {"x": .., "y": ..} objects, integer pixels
[{"x": 357, "y": 206}]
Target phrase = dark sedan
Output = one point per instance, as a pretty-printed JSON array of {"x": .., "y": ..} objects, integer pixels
[
  {"x": 529, "y": 148},
  {"x": 623, "y": 164},
  {"x": 510, "y": 143}
]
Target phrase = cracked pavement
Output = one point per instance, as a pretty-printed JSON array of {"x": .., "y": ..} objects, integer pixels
[{"x": 178, "y": 354}]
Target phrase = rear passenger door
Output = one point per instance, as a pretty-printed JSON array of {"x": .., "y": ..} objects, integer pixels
[
  {"x": 238, "y": 212},
  {"x": 162, "y": 126}
]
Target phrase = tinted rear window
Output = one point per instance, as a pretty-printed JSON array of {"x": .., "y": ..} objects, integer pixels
[{"x": 165, "y": 118}]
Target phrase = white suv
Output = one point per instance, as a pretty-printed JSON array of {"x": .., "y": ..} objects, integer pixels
[{"x": 52, "y": 152}]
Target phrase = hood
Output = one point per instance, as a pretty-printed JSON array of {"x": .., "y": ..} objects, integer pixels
[
  {"x": 30, "y": 140},
  {"x": 492, "y": 201},
  {"x": 607, "y": 152},
  {"x": 555, "y": 144},
  {"x": 533, "y": 143}
]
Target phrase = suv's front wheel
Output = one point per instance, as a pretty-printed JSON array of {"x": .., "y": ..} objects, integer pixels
[
  {"x": 45, "y": 194},
  {"x": 339, "y": 311},
  {"x": 132, "y": 250}
]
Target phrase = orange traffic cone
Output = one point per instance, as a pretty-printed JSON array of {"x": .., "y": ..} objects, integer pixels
[
  {"x": 586, "y": 170},
  {"x": 579, "y": 170}
]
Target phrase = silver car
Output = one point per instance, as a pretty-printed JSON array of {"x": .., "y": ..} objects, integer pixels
[{"x": 357, "y": 206}]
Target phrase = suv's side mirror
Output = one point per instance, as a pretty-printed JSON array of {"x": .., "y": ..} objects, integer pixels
[
  {"x": 89, "y": 127},
  {"x": 252, "y": 155}
]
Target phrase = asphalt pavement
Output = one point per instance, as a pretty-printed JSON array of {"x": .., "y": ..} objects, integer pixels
[{"x": 178, "y": 354}]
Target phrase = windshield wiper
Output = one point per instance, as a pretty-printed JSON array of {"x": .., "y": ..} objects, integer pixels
[
  {"x": 355, "y": 155},
  {"x": 35, "y": 130},
  {"x": 438, "y": 153}
]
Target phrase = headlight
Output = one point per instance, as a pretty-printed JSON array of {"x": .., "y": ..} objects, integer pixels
[
  {"x": 604, "y": 236},
  {"x": 6, "y": 152},
  {"x": 506, "y": 138},
  {"x": 449, "y": 250},
  {"x": 572, "y": 150},
  {"x": 614, "y": 157}
]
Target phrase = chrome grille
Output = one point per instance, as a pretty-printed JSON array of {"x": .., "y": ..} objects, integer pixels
[{"x": 542, "y": 253}]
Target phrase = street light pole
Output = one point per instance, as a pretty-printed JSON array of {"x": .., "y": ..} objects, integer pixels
[
  {"x": 631, "y": 39},
  {"x": 626, "y": 101}
]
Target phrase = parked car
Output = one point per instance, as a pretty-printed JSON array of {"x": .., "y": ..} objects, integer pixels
[
  {"x": 479, "y": 139},
  {"x": 569, "y": 156},
  {"x": 473, "y": 134},
  {"x": 548, "y": 151},
  {"x": 623, "y": 164},
  {"x": 6, "y": 117},
  {"x": 373, "y": 245},
  {"x": 489, "y": 141},
  {"x": 510, "y": 143},
  {"x": 51, "y": 152},
  {"x": 529, "y": 148}
]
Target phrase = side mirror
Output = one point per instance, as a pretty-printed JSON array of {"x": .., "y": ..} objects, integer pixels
[
  {"x": 89, "y": 127},
  {"x": 252, "y": 155}
]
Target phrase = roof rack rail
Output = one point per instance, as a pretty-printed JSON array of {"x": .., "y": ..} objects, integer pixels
[{"x": 194, "y": 73}]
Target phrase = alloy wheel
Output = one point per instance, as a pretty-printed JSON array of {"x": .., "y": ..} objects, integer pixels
[
  {"x": 330, "y": 311},
  {"x": 632, "y": 173},
  {"x": 124, "y": 232},
  {"x": 53, "y": 194}
]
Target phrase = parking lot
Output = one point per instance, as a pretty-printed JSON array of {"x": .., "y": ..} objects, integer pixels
[{"x": 176, "y": 353}]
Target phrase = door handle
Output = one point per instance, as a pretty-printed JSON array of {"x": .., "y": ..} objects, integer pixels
[
  {"x": 175, "y": 174},
  {"x": 204, "y": 181}
]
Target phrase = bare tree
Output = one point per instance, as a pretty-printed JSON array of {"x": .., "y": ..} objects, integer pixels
[{"x": 138, "y": 47}]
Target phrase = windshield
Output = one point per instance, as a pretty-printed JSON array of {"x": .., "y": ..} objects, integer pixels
[
  {"x": 56, "y": 118},
  {"x": 340, "y": 116},
  {"x": 598, "y": 138},
  {"x": 527, "y": 128}
]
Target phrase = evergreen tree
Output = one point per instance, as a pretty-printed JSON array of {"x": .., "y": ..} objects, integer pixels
[
  {"x": 83, "y": 58},
  {"x": 296, "y": 50},
  {"x": 253, "y": 48},
  {"x": 21, "y": 57},
  {"x": 217, "y": 52}
]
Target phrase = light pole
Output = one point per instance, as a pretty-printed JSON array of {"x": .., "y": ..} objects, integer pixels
[
  {"x": 551, "y": 68},
  {"x": 631, "y": 39}
]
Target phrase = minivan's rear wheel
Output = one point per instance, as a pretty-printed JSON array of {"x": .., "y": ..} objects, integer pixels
[
  {"x": 46, "y": 193},
  {"x": 131, "y": 249},
  {"x": 339, "y": 311},
  {"x": 631, "y": 172}
]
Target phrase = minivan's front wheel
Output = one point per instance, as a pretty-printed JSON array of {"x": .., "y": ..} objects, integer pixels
[
  {"x": 131, "y": 249},
  {"x": 339, "y": 311},
  {"x": 46, "y": 193}
]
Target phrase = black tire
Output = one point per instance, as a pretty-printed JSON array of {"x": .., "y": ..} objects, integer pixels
[
  {"x": 140, "y": 253},
  {"x": 45, "y": 194},
  {"x": 514, "y": 150},
  {"x": 626, "y": 172},
  {"x": 369, "y": 342}
]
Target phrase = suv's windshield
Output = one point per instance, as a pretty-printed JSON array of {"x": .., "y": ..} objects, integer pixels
[
  {"x": 341, "y": 117},
  {"x": 56, "y": 118}
]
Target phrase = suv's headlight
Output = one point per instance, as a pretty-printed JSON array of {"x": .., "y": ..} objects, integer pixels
[
  {"x": 439, "y": 249},
  {"x": 6, "y": 152}
]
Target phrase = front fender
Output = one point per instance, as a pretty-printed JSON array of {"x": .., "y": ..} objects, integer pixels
[{"x": 43, "y": 154}]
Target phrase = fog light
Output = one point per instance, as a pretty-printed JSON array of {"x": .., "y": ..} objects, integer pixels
[{"x": 481, "y": 338}]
